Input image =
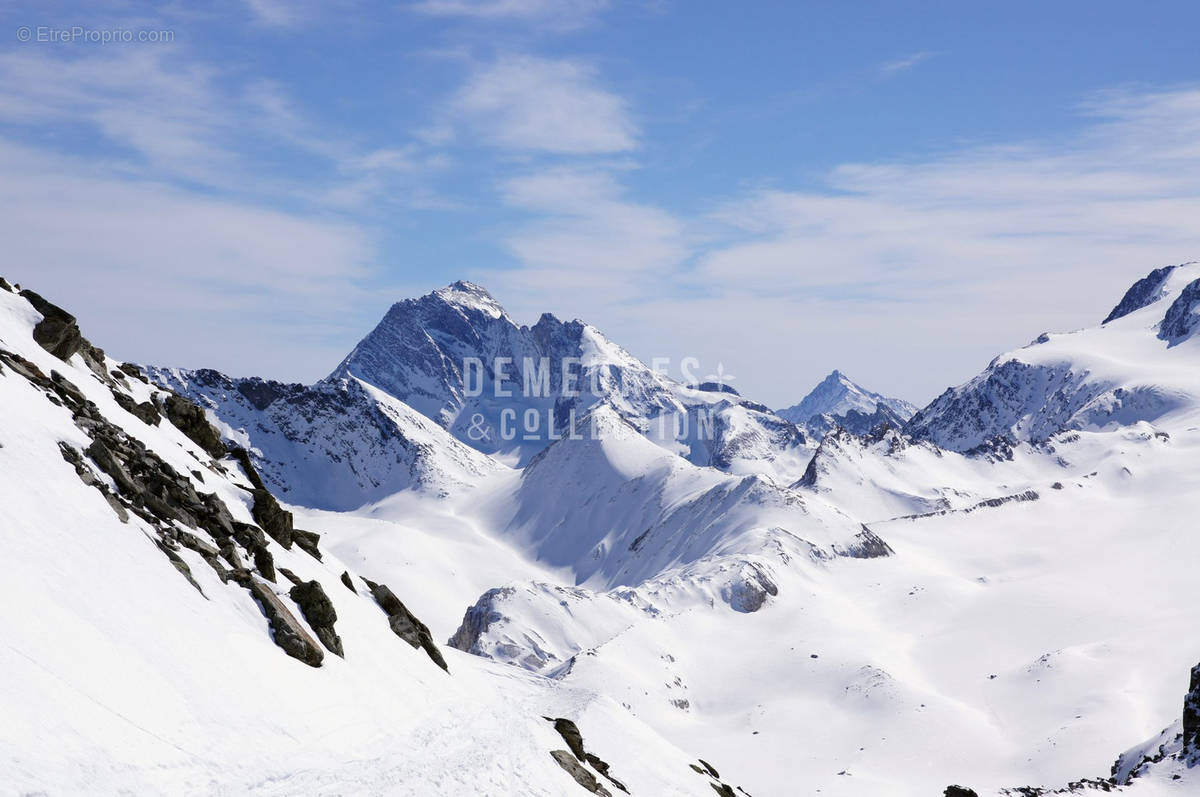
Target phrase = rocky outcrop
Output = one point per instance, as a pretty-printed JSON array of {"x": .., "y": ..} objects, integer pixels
[
  {"x": 319, "y": 612},
  {"x": 1181, "y": 319},
  {"x": 188, "y": 418},
  {"x": 57, "y": 332},
  {"x": 584, "y": 778},
  {"x": 1144, "y": 292},
  {"x": 574, "y": 761},
  {"x": 477, "y": 619},
  {"x": 286, "y": 630},
  {"x": 866, "y": 545},
  {"x": 749, "y": 592},
  {"x": 405, "y": 624},
  {"x": 962, "y": 791},
  {"x": 307, "y": 541},
  {"x": 1191, "y": 715},
  {"x": 274, "y": 519},
  {"x": 144, "y": 411}
]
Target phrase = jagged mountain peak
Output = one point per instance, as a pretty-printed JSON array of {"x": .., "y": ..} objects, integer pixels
[
  {"x": 836, "y": 395},
  {"x": 1150, "y": 289},
  {"x": 467, "y": 295}
]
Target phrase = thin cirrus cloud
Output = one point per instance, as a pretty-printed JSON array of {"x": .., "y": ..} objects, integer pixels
[
  {"x": 996, "y": 243},
  {"x": 903, "y": 64},
  {"x": 583, "y": 226},
  {"x": 558, "y": 106},
  {"x": 218, "y": 282}
]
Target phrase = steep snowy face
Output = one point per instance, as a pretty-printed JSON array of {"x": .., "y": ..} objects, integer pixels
[
  {"x": 336, "y": 445},
  {"x": 840, "y": 399},
  {"x": 614, "y": 509},
  {"x": 1146, "y": 291},
  {"x": 1140, "y": 365}
]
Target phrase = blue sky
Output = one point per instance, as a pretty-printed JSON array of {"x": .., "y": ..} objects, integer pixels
[{"x": 900, "y": 191}]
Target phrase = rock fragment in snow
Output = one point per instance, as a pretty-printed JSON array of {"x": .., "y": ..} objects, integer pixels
[
  {"x": 319, "y": 612},
  {"x": 286, "y": 630}
]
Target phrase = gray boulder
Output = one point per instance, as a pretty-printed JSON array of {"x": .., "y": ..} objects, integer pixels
[
  {"x": 57, "y": 332},
  {"x": 319, "y": 612},
  {"x": 188, "y": 418},
  {"x": 286, "y": 630}
]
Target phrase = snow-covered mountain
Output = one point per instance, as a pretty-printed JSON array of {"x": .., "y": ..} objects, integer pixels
[
  {"x": 354, "y": 437},
  {"x": 838, "y": 401},
  {"x": 1139, "y": 365},
  {"x": 338, "y": 444},
  {"x": 456, "y": 356},
  {"x": 619, "y": 609},
  {"x": 166, "y": 628}
]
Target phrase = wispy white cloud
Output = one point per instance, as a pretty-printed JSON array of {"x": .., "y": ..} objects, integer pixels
[
  {"x": 955, "y": 257},
  {"x": 531, "y": 104},
  {"x": 170, "y": 118},
  {"x": 902, "y": 64},
  {"x": 562, "y": 14},
  {"x": 166, "y": 275},
  {"x": 585, "y": 235}
]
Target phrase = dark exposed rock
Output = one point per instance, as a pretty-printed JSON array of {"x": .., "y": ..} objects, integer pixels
[
  {"x": 1191, "y": 714},
  {"x": 712, "y": 771},
  {"x": 962, "y": 791},
  {"x": 1181, "y": 319},
  {"x": 307, "y": 541},
  {"x": 405, "y": 624},
  {"x": 229, "y": 553},
  {"x": 134, "y": 371},
  {"x": 290, "y": 576},
  {"x": 1146, "y": 291},
  {"x": 346, "y": 580},
  {"x": 67, "y": 389},
  {"x": 188, "y": 418},
  {"x": 570, "y": 734},
  {"x": 569, "y": 731},
  {"x": 251, "y": 538},
  {"x": 57, "y": 332},
  {"x": 477, "y": 619},
  {"x": 866, "y": 545},
  {"x": 723, "y": 789},
  {"x": 93, "y": 358},
  {"x": 107, "y": 462},
  {"x": 143, "y": 411},
  {"x": 274, "y": 519},
  {"x": 264, "y": 563},
  {"x": 286, "y": 630},
  {"x": 179, "y": 564},
  {"x": 88, "y": 477},
  {"x": 584, "y": 778},
  {"x": 243, "y": 458},
  {"x": 319, "y": 612},
  {"x": 751, "y": 589},
  {"x": 4, "y": 284}
]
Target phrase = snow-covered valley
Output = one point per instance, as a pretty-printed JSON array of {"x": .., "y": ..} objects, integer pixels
[{"x": 848, "y": 597}]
